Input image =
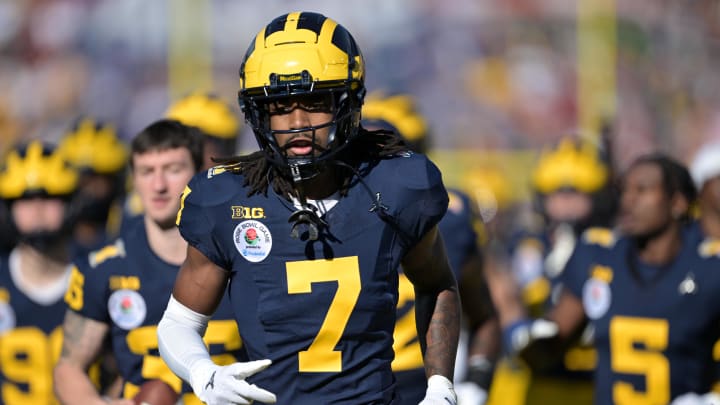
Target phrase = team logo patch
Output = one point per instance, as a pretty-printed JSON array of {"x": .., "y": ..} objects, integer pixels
[
  {"x": 596, "y": 298},
  {"x": 127, "y": 309},
  {"x": 7, "y": 317},
  {"x": 253, "y": 240}
]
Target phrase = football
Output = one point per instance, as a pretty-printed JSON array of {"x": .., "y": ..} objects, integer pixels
[{"x": 156, "y": 392}]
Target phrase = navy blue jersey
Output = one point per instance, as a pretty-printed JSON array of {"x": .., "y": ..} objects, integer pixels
[
  {"x": 655, "y": 326},
  {"x": 538, "y": 260},
  {"x": 127, "y": 286},
  {"x": 459, "y": 229},
  {"x": 322, "y": 310},
  {"x": 30, "y": 340}
]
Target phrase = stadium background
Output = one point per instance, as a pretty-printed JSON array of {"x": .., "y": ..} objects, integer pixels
[{"x": 497, "y": 79}]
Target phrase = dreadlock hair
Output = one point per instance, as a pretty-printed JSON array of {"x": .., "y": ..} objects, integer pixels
[
  {"x": 368, "y": 146},
  {"x": 675, "y": 176}
]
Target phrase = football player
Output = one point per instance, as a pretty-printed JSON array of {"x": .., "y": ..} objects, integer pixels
[
  {"x": 571, "y": 184},
  {"x": 460, "y": 228},
  {"x": 307, "y": 235},
  {"x": 96, "y": 151},
  {"x": 705, "y": 171},
  {"x": 220, "y": 128},
  {"x": 214, "y": 117},
  {"x": 38, "y": 186},
  {"x": 651, "y": 293},
  {"x": 119, "y": 292}
]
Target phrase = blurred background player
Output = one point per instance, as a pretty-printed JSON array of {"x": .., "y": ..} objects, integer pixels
[
  {"x": 38, "y": 187},
  {"x": 650, "y": 292},
  {"x": 461, "y": 228},
  {"x": 97, "y": 152},
  {"x": 572, "y": 191},
  {"x": 120, "y": 291},
  {"x": 214, "y": 118},
  {"x": 705, "y": 171}
]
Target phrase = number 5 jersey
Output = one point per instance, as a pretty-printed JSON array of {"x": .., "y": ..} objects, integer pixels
[{"x": 655, "y": 326}]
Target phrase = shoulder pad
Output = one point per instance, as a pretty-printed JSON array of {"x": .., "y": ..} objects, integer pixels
[
  {"x": 604, "y": 237},
  {"x": 97, "y": 257},
  {"x": 220, "y": 169},
  {"x": 709, "y": 247}
]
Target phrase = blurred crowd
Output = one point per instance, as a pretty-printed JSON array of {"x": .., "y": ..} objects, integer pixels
[{"x": 488, "y": 74}]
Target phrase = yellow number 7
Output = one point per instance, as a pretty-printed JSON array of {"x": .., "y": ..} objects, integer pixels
[{"x": 321, "y": 356}]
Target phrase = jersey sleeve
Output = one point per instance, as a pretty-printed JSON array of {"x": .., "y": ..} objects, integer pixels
[
  {"x": 194, "y": 220},
  {"x": 578, "y": 267},
  {"x": 423, "y": 199},
  {"x": 461, "y": 228},
  {"x": 88, "y": 289}
]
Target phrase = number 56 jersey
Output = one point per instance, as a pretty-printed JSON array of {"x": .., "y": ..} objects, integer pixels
[
  {"x": 655, "y": 326},
  {"x": 127, "y": 286},
  {"x": 322, "y": 310}
]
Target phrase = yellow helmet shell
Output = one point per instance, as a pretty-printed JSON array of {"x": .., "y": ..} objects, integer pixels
[
  {"x": 399, "y": 111},
  {"x": 94, "y": 146},
  {"x": 297, "y": 42},
  {"x": 36, "y": 173},
  {"x": 208, "y": 113},
  {"x": 571, "y": 165}
]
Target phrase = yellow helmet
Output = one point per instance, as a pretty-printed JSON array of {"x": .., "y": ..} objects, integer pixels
[
  {"x": 207, "y": 112},
  {"x": 303, "y": 54},
  {"x": 573, "y": 164},
  {"x": 36, "y": 171},
  {"x": 398, "y": 113},
  {"x": 95, "y": 146}
]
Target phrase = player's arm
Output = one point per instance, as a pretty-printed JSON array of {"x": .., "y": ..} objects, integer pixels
[
  {"x": 437, "y": 305},
  {"x": 485, "y": 342},
  {"x": 199, "y": 287},
  {"x": 82, "y": 344},
  {"x": 542, "y": 342}
]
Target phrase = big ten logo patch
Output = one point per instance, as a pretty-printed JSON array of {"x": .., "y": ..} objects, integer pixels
[{"x": 240, "y": 212}]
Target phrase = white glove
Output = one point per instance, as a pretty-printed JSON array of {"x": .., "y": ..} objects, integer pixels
[
  {"x": 520, "y": 334},
  {"x": 691, "y": 398},
  {"x": 225, "y": 385},
  {"x": 439, "y": 392},
  {"x": 469, "y": 393}
]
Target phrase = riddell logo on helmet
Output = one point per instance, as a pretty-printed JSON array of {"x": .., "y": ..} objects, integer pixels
[{"x": 240, "y": 212}]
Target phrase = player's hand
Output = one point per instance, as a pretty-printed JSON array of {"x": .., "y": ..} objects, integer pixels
[
  {"x": 469, "y": 393},
  {"x": 691, "y": 398},
  {"x": 439, "y": 392},
  {"x": 227, "y": 385},
  {"x": 520, "y": 334}
]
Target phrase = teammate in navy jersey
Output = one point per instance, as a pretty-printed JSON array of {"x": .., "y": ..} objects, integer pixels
[
  {"x": 461, "y": 229},
  {"x": 651, "y": 295},
  {"x": 307, "y": 235},
  {"x": 95, "y": 149},
  {"x": 38, "y": 186},
  {"x": 572, "y": 190},
  {"x": 119, "y": 292}
]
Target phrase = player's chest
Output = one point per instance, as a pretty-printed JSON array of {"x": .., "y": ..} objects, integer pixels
[
  {"x": 681, "y": 304},
  {"x": 265, "y": 232}
]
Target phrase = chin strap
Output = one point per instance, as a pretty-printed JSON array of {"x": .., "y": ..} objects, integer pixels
[{"x": 306, "y": 214}]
